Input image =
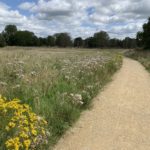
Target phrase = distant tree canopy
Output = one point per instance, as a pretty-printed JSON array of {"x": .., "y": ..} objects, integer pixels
[
  {"x": 101, "y": 39},
  {"x": 10, "y": 29},
  {"x": 23, "y": 38},
  {"x": 114, "y": 43},
  {"x": 129, "y": 43},
  {"x": 78, "y": 42},
  {"x": 50, "y": 41},
  {"x": 11, "y": 36},
  {"x": 8, "y": 33},
  {"x": 143, "y": 38},
  {"x": 63, "y": 40},
  {"x": 139, "y": 39},
  {"x": 2, "y": 41}
]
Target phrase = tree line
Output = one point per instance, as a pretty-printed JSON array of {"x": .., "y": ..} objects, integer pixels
[{"x": 11, "y": 36}]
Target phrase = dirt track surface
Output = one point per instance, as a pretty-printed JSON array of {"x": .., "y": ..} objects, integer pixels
[{"x": 120, "y": 117}]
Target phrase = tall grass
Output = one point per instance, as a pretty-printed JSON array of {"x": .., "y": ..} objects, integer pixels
[
  {"x": 141, "y": 56},
  {"x": 56, "y": 86}
]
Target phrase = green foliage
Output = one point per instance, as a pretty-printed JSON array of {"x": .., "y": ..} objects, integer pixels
[
  {"x": 63, "y": 40},
  {"x": 139, "y": 39},
  {"x": 24, "y": 38},
  {"x": 129, "y": 43},
  {"x": 10, "y": 29},
  {"x": 115, "y": 43},
  {"x": 50, "y": 41},
  {"x": 9, "y": 33},
  {"x": 78, "y": 42},
  {"x": 2, "y": 41},
  {"x": 101, "y": 39},
  {"x": 98, "y": 40},
  {"x": 143, "y": 38}
]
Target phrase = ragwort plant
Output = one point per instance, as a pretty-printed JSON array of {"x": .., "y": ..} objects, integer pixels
[{"x": 21, "y": 129}]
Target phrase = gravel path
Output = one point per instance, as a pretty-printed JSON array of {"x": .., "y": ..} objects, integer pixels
[{"x": 120, "y": 117}]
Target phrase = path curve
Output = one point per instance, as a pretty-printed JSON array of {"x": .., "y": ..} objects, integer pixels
[{"x": 120, "y": 117}]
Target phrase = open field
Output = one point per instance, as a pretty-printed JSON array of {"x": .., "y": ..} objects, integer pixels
[{"x": 58, "y": 84}]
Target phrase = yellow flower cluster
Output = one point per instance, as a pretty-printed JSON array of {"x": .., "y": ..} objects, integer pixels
[{"x": 25, "y": 125}]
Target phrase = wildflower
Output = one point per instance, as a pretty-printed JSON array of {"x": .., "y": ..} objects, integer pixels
[
  {"x": 7, "y": 128},
  {"x": 27, "y": 144},
  {"x": 27, "y": 125},
  {"x": 33, "y": 73},
  {"x": 34, "y": 132},
  {"x": 78, "y": 97},
  {"x": 13, "y": 143},
  {"x": 16, "y": 86},
  {"x": 26, "y": 129},
  {"x": 11, "y": 124},
  {"x": 23, "y": 135},
  {"x": 25, "y": 122},
  {"x": 3, "y": 83},
  {"x": 43, "y": 132}
]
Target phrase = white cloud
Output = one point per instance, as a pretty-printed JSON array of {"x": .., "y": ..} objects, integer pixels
[
  {"x": 26, "y": 5},
  {"x": 119, "y": 18}
]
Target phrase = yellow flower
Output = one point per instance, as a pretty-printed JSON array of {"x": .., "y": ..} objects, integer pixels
[
  {"x": 34, "y": 140},
  {"x": 23, "y": 135},
  {"x": 43, "y": 131},
  {"x": 26, "y": 123},
  {"x": 26, "y": 106},
  {"x": 26, "y": 129},
  {"x": 7, "y": 128},
  {"x": 16, "y": 146},
  {"x": 34, "y": 132},
  {"x": 11, "y": 124},
  {"x": 27, "y": 144},
  {"x": 13, "y": 143},
  {"x": 45, "y": 122}
]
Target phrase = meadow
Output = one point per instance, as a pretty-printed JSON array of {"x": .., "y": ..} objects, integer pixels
[{"x": 58, "y": 84}]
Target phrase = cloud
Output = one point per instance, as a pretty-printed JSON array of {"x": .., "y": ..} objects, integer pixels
[
  {"x": 80, "y": 18},
  {"x": 8, "y": 16},
  {"x": 26, "y": 5}
]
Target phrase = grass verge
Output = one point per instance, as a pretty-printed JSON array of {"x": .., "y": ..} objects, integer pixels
[{"x": 142, "y": 56}]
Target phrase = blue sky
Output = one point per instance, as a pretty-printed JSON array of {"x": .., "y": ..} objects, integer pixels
[{"x": 77, "y": 17}]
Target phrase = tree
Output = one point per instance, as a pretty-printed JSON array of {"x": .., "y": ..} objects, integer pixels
[
  {"x": 8, "y": 33},
  {"x": 50, "y": 41},
  {"x": 114, "y": 43},
  {"x": 101, "y": 39},
  {"x": 63, "y": 40},
  {"x": 129, "y": 43},
  {"x": 146, "y": 34},
  {"x": 10, "y": 29},
  {"x": 78, "y": 42},
  {"x": 143, "y": 38},
  {"x": 25, "y": 38},
  {"x": 2, "y": 41},
  {"x": 42, "y": 41},
  {"x": 139, "y": 39}
]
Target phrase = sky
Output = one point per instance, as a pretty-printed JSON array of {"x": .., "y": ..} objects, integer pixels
[{"x": 120, "y": 18}]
